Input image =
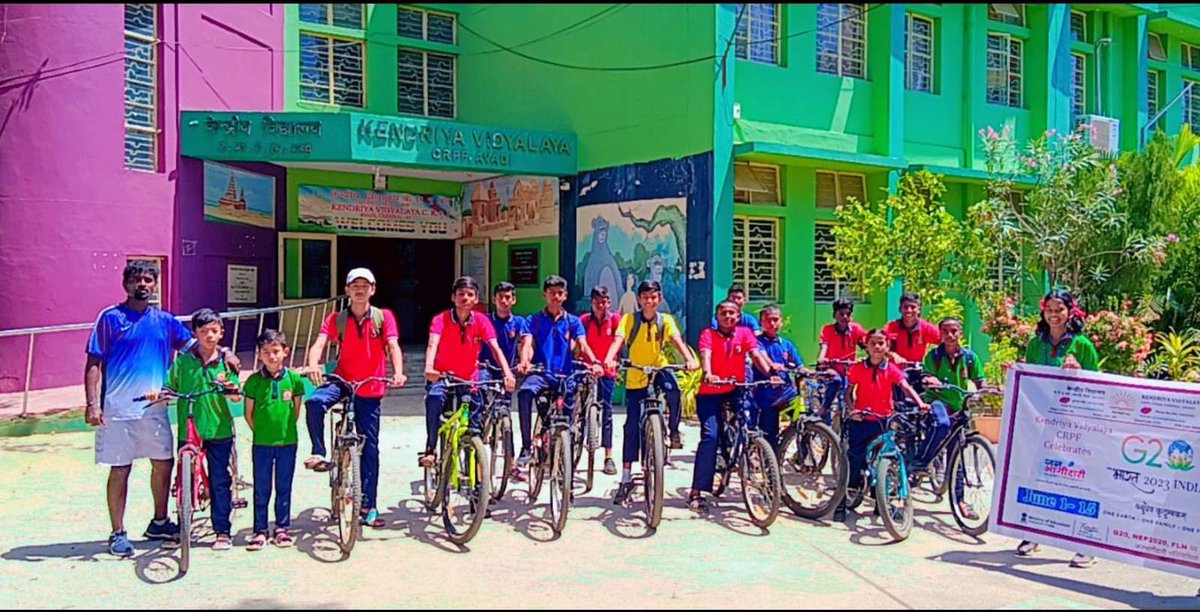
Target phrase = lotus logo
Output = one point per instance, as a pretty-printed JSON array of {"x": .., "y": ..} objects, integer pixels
[{"x": 1180, "y": 456}]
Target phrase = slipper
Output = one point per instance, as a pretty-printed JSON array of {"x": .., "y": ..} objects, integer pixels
[
  {"x": 223, "y": 542},
  {"x": 426, "y": 460},
  {"x": 282, "y": 538},
  {"x": 372, "y": 519},
  {"x": 317, "y": 463},
  {"x": 257, "y": 542}
]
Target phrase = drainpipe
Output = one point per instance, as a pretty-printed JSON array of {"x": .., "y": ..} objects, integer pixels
[{"x": 1099, "y": 89}]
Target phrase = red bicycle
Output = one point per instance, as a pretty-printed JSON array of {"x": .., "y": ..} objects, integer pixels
[{"x": 191, "y": 490}]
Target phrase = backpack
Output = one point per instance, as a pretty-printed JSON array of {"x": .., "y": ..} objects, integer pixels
[
  {"x": 659, "y": 326},
  {"x": 344, "y": 315}
]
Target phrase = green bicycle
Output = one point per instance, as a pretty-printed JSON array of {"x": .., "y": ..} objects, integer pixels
[{"x": 459, "y": 482}]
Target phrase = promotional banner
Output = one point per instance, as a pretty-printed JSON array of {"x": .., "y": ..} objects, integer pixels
[
  {"x": 510, "y": 207},
  {"x": 377, "y": 213},
  {"x": 232, "y": 195},
  {"x": 1101, "y": 464}
]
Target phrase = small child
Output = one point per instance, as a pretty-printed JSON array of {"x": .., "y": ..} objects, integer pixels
[
  {"x": 273, "y": 398},
  {"x": 196, "y": 370}
]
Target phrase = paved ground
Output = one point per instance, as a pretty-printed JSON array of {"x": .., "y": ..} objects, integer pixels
[{"x": 53, "y": 525}]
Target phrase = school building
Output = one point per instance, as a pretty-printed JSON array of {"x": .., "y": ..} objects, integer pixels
[{"x": 260, "y": 151}]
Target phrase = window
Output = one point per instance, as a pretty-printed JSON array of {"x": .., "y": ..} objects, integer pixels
[
  {"x": 842, "y": 39},
  {"x": 1003, "y": 70},
  {"x": 1190, "y": 57},
  {"x": 425, "y": 83},
  {"x": 1078, "y": 26},
  {"x": 756, "y": 257},
  {"x": 341, "y": 15},
  {"x": 1152, "y": 103},
  {"x": 1006, "y": 275},
  {"x": 141, "y": 87},
  {"x": 1078, "y": 85},
  {"x": 918, "y": 53},
  {"x": 331, "y": 70},
  {"x": 757, "y": 35},
  {"x": 1191, "y": 105},
  {"x": 420, "y": 24},
  {"x": 826, "y": 288},
  {"x": 1007, "y": 13},
  {"x": 755, "y": 183},
  {"x": 835, "y": 188},
  {"x": 1155, "y": 49}
]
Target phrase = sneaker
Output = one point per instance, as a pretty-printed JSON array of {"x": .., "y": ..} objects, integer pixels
[
  {"x": 372, "y": 519},
  {"x": 119, "y": 545},
  {"x": 839, "y": 514},
  {"x": 623, "y": 491},
  {"x": 1026, "y": 548},
  {"x": 523, "y": 459},
  {"x": 166, "y": 530},
  {"x": 610, "y": 467},
  {"x": 676, "y": 441},
  {"x": 1081, "y": 560}
]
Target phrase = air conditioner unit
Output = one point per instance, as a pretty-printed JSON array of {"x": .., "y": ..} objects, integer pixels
[{"x": 1104, "y": 133}]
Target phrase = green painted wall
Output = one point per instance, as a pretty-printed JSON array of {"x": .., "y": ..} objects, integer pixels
[{"x": 619, "y": 117}]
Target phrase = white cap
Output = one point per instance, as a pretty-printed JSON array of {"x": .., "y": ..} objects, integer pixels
[{"x": 360, "y": 273}]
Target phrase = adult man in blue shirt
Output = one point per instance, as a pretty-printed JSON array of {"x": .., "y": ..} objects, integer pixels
[
  {"x": 551, "y": 336},
  {"x": 128, "y": 354},
  {"x": 780, "y": 353}
]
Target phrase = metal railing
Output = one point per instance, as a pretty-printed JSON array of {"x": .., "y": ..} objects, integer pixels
[{"x": 282, "y": 314}]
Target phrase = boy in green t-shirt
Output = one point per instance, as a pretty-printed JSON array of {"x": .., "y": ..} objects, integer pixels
[
  {"x": 273, "y": 398},
  {"x": 196, "y": 370}
]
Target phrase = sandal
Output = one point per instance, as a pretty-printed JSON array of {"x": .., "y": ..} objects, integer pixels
[
  {"x": 282, "y": 538},
  {"x": 317, "y": 463},
  {"x": 372, "y": 519},
  {"x": 257, "y": 542},
  {"x": 426, "y": 460},
  {"x": 696, "y": 503},
  {"x": 224, "y": 542}
]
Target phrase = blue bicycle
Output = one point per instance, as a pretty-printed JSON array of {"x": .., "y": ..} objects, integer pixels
[{"x": 887, "y": 475}]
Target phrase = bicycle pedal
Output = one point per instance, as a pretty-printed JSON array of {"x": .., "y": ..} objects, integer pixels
[{"x": 240, "y": 503}]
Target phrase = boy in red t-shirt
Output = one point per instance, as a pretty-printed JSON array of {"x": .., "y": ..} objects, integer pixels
[
  {"x": 723, "y": 354},
  {"x": 910, "y": 335},
  {"x": 871, "y": 383},
  {"x": 600, "y": 330},
  {"x": 840, "y": 340},
  {"x": 455, "y": 337}
]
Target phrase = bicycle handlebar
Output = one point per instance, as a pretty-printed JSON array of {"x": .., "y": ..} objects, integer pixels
[
  {"x": 966, "y": 393},
  {"x": 355, "y": 385},
  {"x": 170, "y": 394},
  {"x": 649, "y": 369},
  {"x": 452, "y": 381}
]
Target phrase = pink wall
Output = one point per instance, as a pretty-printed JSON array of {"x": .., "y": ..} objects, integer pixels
[{"x": 69, "y": 211}]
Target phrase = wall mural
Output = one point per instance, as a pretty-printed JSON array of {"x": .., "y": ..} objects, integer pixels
[
  {"x": 232, "y": 195},
  {"x": 619, "y": 245},
  {"x": 510, "y": 206}
]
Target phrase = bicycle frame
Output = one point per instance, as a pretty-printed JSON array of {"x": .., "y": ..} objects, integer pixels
[
  {"x": 886, "y": 446},
  {"x": 456, "y": 422}
]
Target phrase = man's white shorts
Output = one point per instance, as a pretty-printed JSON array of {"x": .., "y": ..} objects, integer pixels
[{"x": 118, "y": 443}]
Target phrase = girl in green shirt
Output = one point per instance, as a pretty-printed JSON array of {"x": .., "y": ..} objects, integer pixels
[{"x": 1060, "y": 342}]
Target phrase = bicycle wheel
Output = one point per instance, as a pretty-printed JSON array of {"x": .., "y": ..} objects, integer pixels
[
  {"x": 593, "y": 442},
  {"x": 466, "y": 484},
  {"x": 812, "y": 470},
  {"x": 652, "y": 466},
  {"x": 723, "y": 472},
  {"x": 560, "y": 480},
  {"x": 501, "y": 455},
  {"x": 760, "y": 482},
  {"x": 938, "y": 468},
  {"x": 431, "y": 495},
  {"x": 975, "y": 463},
  {"x": 895, "y": 508},
  {"x": 578, "y": 437},
  {"x": 185, "y": 509},
  {"x": 347, "y": 497},
  {"x": 537, "y": 459}
]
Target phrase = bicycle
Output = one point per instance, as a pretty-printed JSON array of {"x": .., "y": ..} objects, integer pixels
[
  {"x": 459, "y": 482},
  {"x": 498, "y": 433},
  {"x": 804, "y": 480},
  {"x": 971, "y": 461},
  {"x": 654, "y": 440},
  {"x": 345, "y": 470},
  {"x": 191, "y": 490},
  {"x": 887, "y": 474},
  {"x": 842, "y": 399},
  {"x": 551, "y": 446},
  {"x": 741, "y": 443},
  {"x": 585, "y": 428}
]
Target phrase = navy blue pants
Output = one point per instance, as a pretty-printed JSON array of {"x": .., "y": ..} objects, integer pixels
[
  {"x": 767, "y": 419},
  {"x": 366, "y": 421},
  {"x": 937, "y": 430},
  {"x": 435, "y": 402},
  {"x": 604, "y": 393},
  {"x": 278, "y": 464},
  {"x": 861, "y": 433},
  {"x": 708, "y": 410},
  {"x": 220, "y": 482},
  {"x": 534, "y": 384},
  {"x": 666, "y": 383},
  {"x": 833, "y": 387}
]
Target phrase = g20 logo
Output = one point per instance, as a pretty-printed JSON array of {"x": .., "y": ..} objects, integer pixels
[{"x": 1138, "y": 450}]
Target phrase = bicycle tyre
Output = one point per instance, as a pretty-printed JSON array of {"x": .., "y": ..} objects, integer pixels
[
  {"x": 537, "y": 460},
  {"x": 348, "y": 498},
  {"x": 973, "y": 440},
  {"x": 832, "y": 457},
  {"x": 560, "y": 480},
  {"x": 184, "y": 507},
  {"x": 652, "y": 466},
  {"x": 471, "y": 451},
  {"x": 762, "y": 514},
  {"x": 501, "y": 456},
  {"x": 890, "y": 478},
  {"x": 578, "y": 438},
  {"x": 938, "y": 470}
]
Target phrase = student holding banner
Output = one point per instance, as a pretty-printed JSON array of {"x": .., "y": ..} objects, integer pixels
[{"x": 1060, "y": 342}]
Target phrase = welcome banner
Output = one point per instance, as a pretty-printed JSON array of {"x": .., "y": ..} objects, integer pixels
[{"x": 377, "y": 213}]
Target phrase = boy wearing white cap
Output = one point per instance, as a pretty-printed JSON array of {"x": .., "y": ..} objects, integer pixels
[{"x": 366, "y": 335}]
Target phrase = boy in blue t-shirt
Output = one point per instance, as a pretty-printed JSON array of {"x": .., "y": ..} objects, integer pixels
[{"x": 780, "y": 353}]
